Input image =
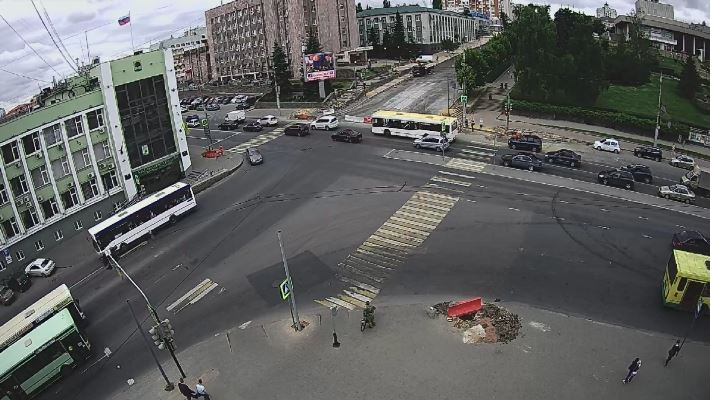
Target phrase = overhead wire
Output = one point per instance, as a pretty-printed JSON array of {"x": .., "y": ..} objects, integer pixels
[
  {"x": 29, "y": 45},
  {"x": 23, "y": 76},
  {"x": 71, "y": 65},
  {"x": 56, "y": 34}
]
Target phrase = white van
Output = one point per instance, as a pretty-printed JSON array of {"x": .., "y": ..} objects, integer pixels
[
  {"x": 426, "y": 58},
  {"x": 238, "y": 115}
]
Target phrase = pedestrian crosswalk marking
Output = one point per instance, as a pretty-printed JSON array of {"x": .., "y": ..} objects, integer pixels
[
  {"x": 258, "y": 140},
  {"x": 363, "y": 286},
  {"x": 430, "y": 204},
  {"x": 381, "y": 252},
  {"x": 356, "y": 302},
  {"x": 412, "y": 231},
  {"x": 440, "y": 187},
  {"x": 384, "y": 265},
  {"x": 370, "y": 295},
  {"x": 443, "y": 179},
  {"x": 413, "y": 216},
  {"x": 357, "y": 296},
  {"x": 455, "y": 174},
  {"x": 341, "y": 303},
  {"x": 465, "y": 164}
]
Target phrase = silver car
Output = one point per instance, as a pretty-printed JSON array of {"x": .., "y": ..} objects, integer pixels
[
  {"x": 683, "y": 161},
  {"x": 677, "y": 192},
  {"x": 437, "y": 143}
]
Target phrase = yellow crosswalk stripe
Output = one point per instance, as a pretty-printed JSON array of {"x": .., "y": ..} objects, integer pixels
[{"x": 443, "y": 179}]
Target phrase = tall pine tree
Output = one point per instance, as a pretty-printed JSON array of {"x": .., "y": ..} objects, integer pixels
[
  {"x": 358, "y": 8},
  {"x": 310, "y": 89},
  {"x": 399, "y": 40},
  {"x": 436, "y": 4},
  {"x": 689, "y": 79},
  {"x": 282, "y": 73}
]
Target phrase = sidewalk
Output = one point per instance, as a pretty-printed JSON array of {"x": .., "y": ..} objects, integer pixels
[
  {"x": 205, "y": 172},
  {"x": 410, "y": 355}
]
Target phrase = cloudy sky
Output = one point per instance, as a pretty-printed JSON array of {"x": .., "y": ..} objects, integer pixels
[{"x": 22, "y": 71}]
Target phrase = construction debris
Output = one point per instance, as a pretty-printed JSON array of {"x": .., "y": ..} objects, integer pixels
[{"x": 491, "y": 324}]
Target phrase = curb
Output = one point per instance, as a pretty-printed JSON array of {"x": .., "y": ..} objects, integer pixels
[{"x": 201, "y": 186}]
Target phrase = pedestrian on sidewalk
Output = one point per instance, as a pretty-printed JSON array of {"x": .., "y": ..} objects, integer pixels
[
  {"x": 185, "y": 390},
  {"x": 480, "y": 123},
  {"x": 673, "y": 352},
  {"x": 201, "y": 391},
  {"x": 633, "y": 370}
]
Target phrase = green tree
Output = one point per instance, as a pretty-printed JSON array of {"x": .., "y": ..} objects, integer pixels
[
  {"x": 436, "y": 4},
  {"x": 386, "y": 4},
  {"x": 368, "y": 7},
  {"x": 282, "y": 73},
  {"x": 504, "y": 20},
  {"x": 533, "y": 40},
  {"x": 399, "y": 40},
  {"x": 358, "y": 8},
  {"x": 689, "y": 79},
  {"x": 312, "y": 42},
  {"x": 373, "y": 38},
  {"x": 386, "y": 39},
  {"x": 310, "y": 89}
]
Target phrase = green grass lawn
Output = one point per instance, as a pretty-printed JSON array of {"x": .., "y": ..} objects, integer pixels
[
  {"x": 643, "y": 101},
  {"x": 675, "y": 65}
]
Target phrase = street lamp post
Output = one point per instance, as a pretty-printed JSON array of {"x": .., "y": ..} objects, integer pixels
[
  {"x": 658, "y": 114},
  {"x": 168, "y": 385},
  {"x": 165, "y": 337}
]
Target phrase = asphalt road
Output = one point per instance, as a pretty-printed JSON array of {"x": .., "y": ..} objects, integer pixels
[{"x": 571, "y": 252}]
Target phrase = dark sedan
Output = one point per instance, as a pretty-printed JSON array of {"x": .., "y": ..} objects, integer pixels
[
  {"x": 691, "y": 241},
  {"x": 641, "y": 173},
  {"x": 253, "y": 127},
  {"x": 617, "y": 178},
  {"x": 213, "y": 106},
  {"x": 296, "y": 130},
  {"x": 229, "y": 125},
  {"x": 564, "y": 156},
  {"x": 7, "y": 295},
  {"x": 242, "y": 106},
  {"x": 653, "y": 153},
  {"x": 525, "y": 161},
  {"x": 254, "y": 156},
  {"x": 19, "y": 282},
  {"x": 347, "y": 135}
]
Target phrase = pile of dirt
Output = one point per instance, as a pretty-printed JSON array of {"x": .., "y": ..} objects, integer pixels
[{"x": 499, "y": 324}]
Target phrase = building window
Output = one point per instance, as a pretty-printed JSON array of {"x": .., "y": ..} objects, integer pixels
[
  {"x": 52, "y": 134},
  {"x": 31, "y": 143},
  {"x": 86, "y": 156},
  {"x": 10, "y": 152},
  {"x": 20, "y": 255},
  {"x": 50, "y": 208},
  {"x": 78, "y": 225},
  {"x": 90, "y": 189},
  {"x": 97, "y": 216},
  {"x": 95, "y": 119},
  {"x": 4, "y": 198},
  {"x": 58, "y": 235},
  {"x": 40, "y": 176},
  {"x": 70, "y": 198},
  {"x": 117, "y": 206},
  {"x": 39, "y": 245},
  {"x": 74, "y": 126},
  {"x": 110, "y": 180},
  {"x": 29, "y": 218},
  {"x": 19, "y": 185},
  {"x": 107, "y": 149},
  {"x": 10, "y": 227}
]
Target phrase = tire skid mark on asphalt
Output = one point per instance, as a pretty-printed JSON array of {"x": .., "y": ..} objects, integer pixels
[
  {"x": 366, "y": 269},
  {"x": 258, "y": 140}
]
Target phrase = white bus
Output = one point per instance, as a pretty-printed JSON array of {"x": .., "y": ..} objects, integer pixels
[
  {"x": 413, "y": 125},
  {"x": 143, "y": 218}
]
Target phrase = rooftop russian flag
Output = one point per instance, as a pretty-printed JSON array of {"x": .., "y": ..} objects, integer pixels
[{"x": 124, "y": 20}]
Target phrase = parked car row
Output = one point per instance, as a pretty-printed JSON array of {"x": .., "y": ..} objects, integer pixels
[
  {"x": 214, "y": 103},
  {"x": 20, "y": 282}
]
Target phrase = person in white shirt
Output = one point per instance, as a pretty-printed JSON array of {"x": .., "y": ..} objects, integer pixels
[{"x": 200, "y": 390}]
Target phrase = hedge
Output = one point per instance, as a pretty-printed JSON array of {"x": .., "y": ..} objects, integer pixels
[{"x": 609, "y": 119}]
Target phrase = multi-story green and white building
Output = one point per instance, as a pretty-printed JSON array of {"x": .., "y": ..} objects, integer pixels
[{"x": 94, "y": 142}]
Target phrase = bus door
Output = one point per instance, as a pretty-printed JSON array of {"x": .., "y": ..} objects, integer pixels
[{"x": 691, "y": 294}]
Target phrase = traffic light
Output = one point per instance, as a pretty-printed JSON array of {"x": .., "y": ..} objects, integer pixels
[
  {"x": 155, "y": 335},
  {"x": 168, "y": 331}
]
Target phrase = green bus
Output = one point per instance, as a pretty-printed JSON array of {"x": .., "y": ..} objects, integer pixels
[{"x": 41, "y": 345}]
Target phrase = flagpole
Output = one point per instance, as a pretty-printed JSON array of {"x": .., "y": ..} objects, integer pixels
[{"x": 131, "y": 26}]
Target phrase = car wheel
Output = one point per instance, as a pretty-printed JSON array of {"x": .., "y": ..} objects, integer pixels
[
  {"x": 616, "y": 151},
  {"x": 658, "y": 159},
  {"x": 387, "y": 132},
  {"x": 604, "y": 181},
  {"x": 512, "y": 146},
  {"x": 531, "y": 168},
  {"x": 506, "y": 163},
  {"x": 334, "y": 139},
  {"x": 686, "y": 201},
  {"x": 636, "y": 154},
  {"x": 537, "y": 149},
  {"x": 572, "y": 164},
  {"x": 598, "y": 148},
  {"x": 417, "y": 146},
  {"x": 172, "y": 220},
  {"x": 647, "y": 180},
  {"x": 665, "y": 196},
  {"x": 628, "y": 186}
]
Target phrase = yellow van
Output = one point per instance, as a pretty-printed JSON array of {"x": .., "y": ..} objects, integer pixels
[{"x": 686, "y": 279}]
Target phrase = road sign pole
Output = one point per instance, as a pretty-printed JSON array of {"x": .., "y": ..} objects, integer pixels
[
  {"x": 333, "y": 313},
  {"x": 296, "y": 320}
]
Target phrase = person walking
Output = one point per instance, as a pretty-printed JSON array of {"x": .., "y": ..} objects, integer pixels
[
  {"x": 633, "y": 370},
  {"x": 673, "y": 352},
  {"x": 185, "y": 390},
  {"x": 201, "y": 391}
]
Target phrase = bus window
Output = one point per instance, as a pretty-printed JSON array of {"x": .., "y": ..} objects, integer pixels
[
  {"x": 379, "y": 122},
  {"x": 454, "y": 126},
  {"x": 706, "y": 291},
  {"x": 672, "y": 269},
  {"x": 681, "y": 284},
  {"x": 394, "y": 123}
]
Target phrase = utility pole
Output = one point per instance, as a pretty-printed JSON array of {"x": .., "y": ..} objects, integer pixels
[
  {"x": 296, "y": 320},
  {"x": 168, "y": 385},
  {"x": 166, "y": 338},
  {"x": 658, "y": 114},
  {"x": 206, "y": 124}
]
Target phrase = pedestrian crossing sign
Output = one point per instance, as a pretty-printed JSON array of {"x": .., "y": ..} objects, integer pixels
[{"x": 285, "y": 289}]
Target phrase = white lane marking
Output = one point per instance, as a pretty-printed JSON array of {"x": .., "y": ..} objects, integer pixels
[
  {"x": 641, "y": 217},
  {"x": 193, "y": 295},
  {"x": 606, "y": 228},
  {"x": 603, "y": 210},
  {"x": 522, "y": 194},
  {"x": 647, "y": 236},
  {"x": 564, "y": 202},
  {"x": 470, "y": 201},
  {"x": 513, "y": 209},
  {"x": 455, "y": 174},
  {"x": 443, "y": 179},
  {"x": 94, "y": 272},
  {"x": 245, "y": 325}
]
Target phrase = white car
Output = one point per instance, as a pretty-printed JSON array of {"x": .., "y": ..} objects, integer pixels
[
  {"x": 40, "y": 267},
  {"x": 683, "y": 161},
  {"x": 608, "y": 145},
  {"x": 195, "y": 123},
  {"x": 268, "y": 120},
  {"x": 327, "y": 122}
]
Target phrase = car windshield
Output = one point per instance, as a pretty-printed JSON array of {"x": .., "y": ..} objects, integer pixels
[{"x": 45, "y": 263}]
